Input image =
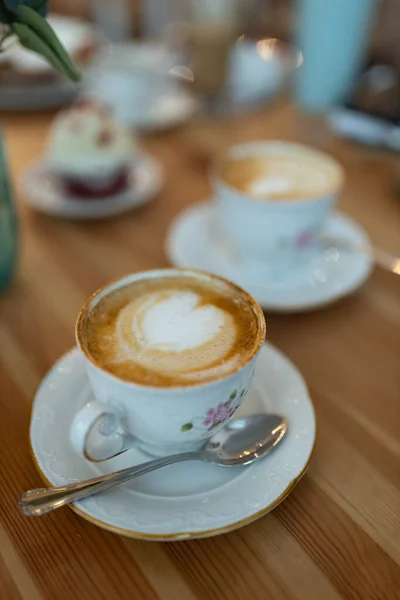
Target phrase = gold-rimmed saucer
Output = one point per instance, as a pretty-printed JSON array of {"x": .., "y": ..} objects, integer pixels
[{"x": 186, "y": 500}]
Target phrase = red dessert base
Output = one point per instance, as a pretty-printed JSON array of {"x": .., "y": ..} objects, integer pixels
[{"x": 91, "y": 191}]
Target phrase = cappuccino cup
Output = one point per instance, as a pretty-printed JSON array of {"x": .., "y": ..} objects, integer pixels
[
  {"x": 273, "y": 198},
  {"x": 170, "y": 355}
]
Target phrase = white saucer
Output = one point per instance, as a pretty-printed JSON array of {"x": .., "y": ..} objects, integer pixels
[
  {"x": 169, "y": 109},
  {"x": 43, "y": 192},
  {"x": 37, "y": 96},
  {"x": 195, "y": 241},
  {"x": 185, "y": 500}
]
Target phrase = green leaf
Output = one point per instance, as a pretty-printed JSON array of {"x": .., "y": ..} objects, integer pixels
[
  {"x": 32, "y": 41},
  {"x": 233, "y": 395},
  {"x": 45, "y": 33},
  {"x": 187, "y": 427}
]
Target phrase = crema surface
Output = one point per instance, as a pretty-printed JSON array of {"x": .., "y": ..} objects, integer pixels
[
  {"x": 282, "y": 176},
  {"x": 171, "y": 331}
]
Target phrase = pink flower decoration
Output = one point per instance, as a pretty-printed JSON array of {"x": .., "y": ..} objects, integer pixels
[
  {"x": 217, "y": 416},
  {"x": 209, "y": 420},
  {"x": 304, "y": 239}
]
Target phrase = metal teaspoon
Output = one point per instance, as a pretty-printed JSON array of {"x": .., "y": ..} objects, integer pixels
[
  {"x": 241, "y": 442},
  {"x": 381, "y": 258}
]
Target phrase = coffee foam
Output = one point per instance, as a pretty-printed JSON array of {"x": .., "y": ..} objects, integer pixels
[
  {"x": 281, "y": 176},
  {"x": 175, "y": 322},
  {"x": 170, "y": 332},
  {"x": 163, "y": 329}
]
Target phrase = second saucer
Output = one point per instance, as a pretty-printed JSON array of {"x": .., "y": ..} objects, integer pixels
[{"x": 194, "y": 241}]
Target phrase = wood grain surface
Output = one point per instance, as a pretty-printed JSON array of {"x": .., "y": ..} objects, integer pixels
[{"x": 338, "y": 533}]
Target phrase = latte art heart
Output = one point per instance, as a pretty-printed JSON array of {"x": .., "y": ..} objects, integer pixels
[
  {"x": 177, "y": 323},
  {"x": 171, "y": 331}
]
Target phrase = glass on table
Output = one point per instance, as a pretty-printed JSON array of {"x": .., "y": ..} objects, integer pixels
[
  {"x": 8, "y": 222},
  {"x": 333, "y": 38}
]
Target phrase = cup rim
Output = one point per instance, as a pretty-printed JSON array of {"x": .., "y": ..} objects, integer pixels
[
  {"x": 217, "y": 178},
  {"x": 170, "y": 271}
]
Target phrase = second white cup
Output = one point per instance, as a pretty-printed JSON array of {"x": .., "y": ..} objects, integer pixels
[{"x": 273, "y": 218}]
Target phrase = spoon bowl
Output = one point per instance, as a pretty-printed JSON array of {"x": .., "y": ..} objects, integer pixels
[{"x": 244, "y": 440}]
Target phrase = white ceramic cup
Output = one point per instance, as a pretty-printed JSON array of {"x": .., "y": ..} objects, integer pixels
[
  {"x": 280, "y": 232},
  {"x": 256, "y": 70},
  {"x": 161, "y": 420},
  {"x": 130, "y": 77}
]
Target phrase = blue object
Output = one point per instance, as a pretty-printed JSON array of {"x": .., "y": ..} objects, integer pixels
[
  {"x": 8, "y": 222},
  {"x": 333, "y": 37}
]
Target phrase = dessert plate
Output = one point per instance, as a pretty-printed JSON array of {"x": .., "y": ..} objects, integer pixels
[
  {"x": 37, "y": 96},
  {"x": 30, "y": 82},
  {"x": 44, "y": 192},
  {"x": 184, "y": 500},
  {"x": 329, "y": 274}
]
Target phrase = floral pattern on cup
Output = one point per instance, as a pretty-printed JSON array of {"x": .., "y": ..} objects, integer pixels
[
  {"x": 221, "y": 414},
  {"x": 302, "y": 240}
]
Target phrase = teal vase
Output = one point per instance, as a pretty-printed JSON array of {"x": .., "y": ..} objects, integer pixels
[{"x": 8, "y": 222}]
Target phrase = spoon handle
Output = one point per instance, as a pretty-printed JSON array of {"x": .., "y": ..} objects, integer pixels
[
  {"x": 383, "y": 259},
  {"x": 35, "y": 503}
]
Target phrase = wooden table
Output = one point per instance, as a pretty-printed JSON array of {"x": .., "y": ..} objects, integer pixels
[{"x": 338, "y": 534}]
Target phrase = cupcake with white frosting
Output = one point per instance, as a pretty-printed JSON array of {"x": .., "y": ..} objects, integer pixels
[{"x": 90, "y": 150}]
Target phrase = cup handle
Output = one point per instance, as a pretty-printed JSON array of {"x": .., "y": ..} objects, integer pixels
[{"x": 98, "y": 426}]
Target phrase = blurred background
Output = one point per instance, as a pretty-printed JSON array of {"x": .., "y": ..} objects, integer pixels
[
  {"x": 229, "y": 53},
  {"x": 214, "y": 71},
  {"x": 112, "y": 175}
]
